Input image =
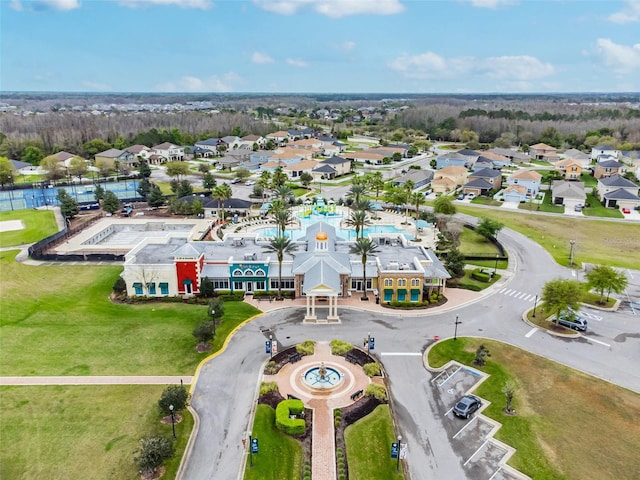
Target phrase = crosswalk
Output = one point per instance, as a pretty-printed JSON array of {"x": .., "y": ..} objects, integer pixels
[{"x": 524, "y": 296}]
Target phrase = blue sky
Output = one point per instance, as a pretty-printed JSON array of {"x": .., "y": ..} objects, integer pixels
[{"x": 395, "y": 46}]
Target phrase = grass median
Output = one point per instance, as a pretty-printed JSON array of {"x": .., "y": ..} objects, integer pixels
[{"x": 568, "y": 424}]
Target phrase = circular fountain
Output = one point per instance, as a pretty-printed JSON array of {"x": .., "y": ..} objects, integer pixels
[{"x": 322, "y": 377}]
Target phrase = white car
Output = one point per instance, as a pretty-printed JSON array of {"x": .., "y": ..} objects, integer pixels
[
  {"x": 249, "y": 182},
  {"x": 471, "y": 196}
]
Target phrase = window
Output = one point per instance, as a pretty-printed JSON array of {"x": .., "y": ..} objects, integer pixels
[
  {"x": 402, "y": 282},
  {"x": 238, "y": 286},
  {"x": 152, "y": 288},
  {"x": 260, "y": 273},
  {"x": 260, "y": 285},
  {"x": 415, "y": 295},
  {"x": 248, "y": 273},
  {"x": 138, "y": 288},
  {"x": 388, "y": 282},
  {"x": 237, "y": 272},
  {"x": 221, "y": 284},
  {"x": 415, "y": 282},
  {"x": 164, "y": 288},
  {"x": 286, "y": 283},
  {"x": 402, "y": 295},
  {"x": 388, "y": 295}
]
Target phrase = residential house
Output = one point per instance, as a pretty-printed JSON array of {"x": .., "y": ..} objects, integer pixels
[
  {"x": 231, "y": 142},
  {"x": 617, "y": 191},
  {"x": 571, "y": 169},
  {"x": 452, "y": 159},
  {"x": 582, "y": 158},
  {"x": 199, "y": 152},
  {"x": 139, "y": 152},
  {"x": 299, "y": 134},
  {"x": 23, "y": 168},
  {"x": 481, "y": 163},
  {"x": 251, "y": 140},
  {"x": 448, "y": 179},
  {"x": 483, "y": 181},
  {"x": 307, "y": 144},
  {"x": 341, "y": 165},
  {"x": 607, "y": 168},
  {"x": 365, "y": 157},
  {"x": 294, "y": 170},
  {"x": 336, "y": 148},
  {"x": 114, "y": 155},
  {"x": 324, "y": 172},
  {"x": 604, "y": 151},
  {"x": 528, "y": 180},
  {"x": 513, "y": 155},
  {"x": 420, "y": 178},
  {"x": 498, "y": 161},
  {"x": 280, "y": 137},
  {"x": 568, "y": 193},
  {"x": 169, "y": 151},
  {"x": 542, "y": 151},
  {"x": 211, "y": 144},
  {"x": 63, "y": 157}
]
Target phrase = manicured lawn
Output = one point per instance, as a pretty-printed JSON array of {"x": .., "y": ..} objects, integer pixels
[
  {"x": 561, "y": 414},
  {"x": 468, "y": 280},
  {"x": 589, "y": 180},
  {"x": 545, "y": 206},
  {"x": 472, "y": 243},
  {"x": 486, "y": 201},
  {"x": 81, "y": 431},
  {"x": 597, "y": 241},
  {"x": 58, "y": 320},
  {"x": 279, "y": 456},
  {"x": 596, "y": 209},
  {"x": 368, "y": 444},
  {"x": 38, "y": 224}
]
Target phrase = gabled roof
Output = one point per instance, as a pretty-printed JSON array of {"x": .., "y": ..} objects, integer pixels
[
  {"x": 325, "y": 169},
  {"x": 487, "y": 173},
  {"x": 521, "y": 189},
  {"x": 567, "y": 162},
  {"x": 617, "y": 181},
  {"x": 479, "y": 183},
  {"x": 336, "y": 160},
  {"x": 111, "y": 153},
  {"x": 468, "y": 153},
  {"x": 494, "y": 157},
  {"x": 564, "y": 189},
  {"x": 542, "y": 146},
  {"x": 321, "y": 275},
  {"x": 302, "y": 165},
  {"x": 604, "y": 147},
  {"x": 633, "y": 154},
  {"x": 454, "y": 156},
  {"x": 136, "y": 149},
  {"x": 415, "y": 176},
  {"x": 251, "y": 138},
  {"x": 209, "y": 141},
  {"x": 62, "y": 156},
  {"x": 576, "y": 154},
  {"x": 621, "y": 194},
  {"x": 165, "y": 146},
  {"x": 526, "y": 175},
  {"x": 609, "y": 164},
  {"x": 18, "y": 164},
  {"x": 452, "y": 170}
]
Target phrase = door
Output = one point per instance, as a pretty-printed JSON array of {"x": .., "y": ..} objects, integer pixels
[{"x": 249, "y": 287}]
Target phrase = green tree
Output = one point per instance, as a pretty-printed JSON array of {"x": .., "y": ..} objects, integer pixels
[
  {"x": 282, "y": 217},
  {"x": 175, "y": 395},
  {"x": 7, "y": 171},
  {"x": 208, "y": 181},
  {"x": 278, "y": 178},
  {"x": 152, "y": 453},
  {"x": 105, "y": 166},
  {"x": 396, "y": 157},
  {"x": 356, "y": 191},
  {"x": 358, "y": 220},
  {"x": 433, "y": 163},
  {"x": 177, "y": 169},
  {"x": 376, "y": 183},
  {"x": 155, "y": 198},
  {"x": 443, "y": 204},
  {"x": 143, "y": 187},
  {"x": 257, "y": 191},
  {"x": 417, "y": 199},
  {"x": 95, "y": 146},
  {"x": 284, "y": 193},
  {"x": 204, "y": 332},
  {"x": 53, "y": 168},
  {"x": 561, "y": 296},
  {"x": 603, "y": 278},
  {"x": 144, "y": 169},
  {"x": 182, "y": 188},
  {"x": 454, "y": 262},
  {"x": 78, "y": 167},
  {"x": 281, "y": 246},
  {"x": 68, "y": 205},
  {"x": 98, "y": 193},
  {"x": 365, "y": 248},
  {"x": 305, "y": 179},
  {"x": 489, "y": 228},
  {"x": 110, "y": 202},
  {"x": 32, "y": 155},
  {"x": 197, "y": 208},
  {"x": 242, "y": 173},
  {"x": 222, "y": 193}
]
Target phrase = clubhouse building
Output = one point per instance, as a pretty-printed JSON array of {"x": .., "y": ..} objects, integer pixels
[{"x": 322, "y": 269}]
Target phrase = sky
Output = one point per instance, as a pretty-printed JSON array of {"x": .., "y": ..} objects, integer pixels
[{"x": 332, "y": 46}]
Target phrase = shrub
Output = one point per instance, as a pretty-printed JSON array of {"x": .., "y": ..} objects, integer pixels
[
  {"x": 372, "y": 369},
  {"x": 338, "y": 347},
  {"x": 271, "y": 368},
  {"x": 376, "y": 391},
  {"x": 306, "y": 348},
  {"x": 176, "y": 395},
  {"x": 286, "y": 424},
  {"x": 480, "y": 276},
  {"x": 229, "y": 296},
  {"x": 153, "y": 452},
  {"x": 204, "y": 332},
  {"x": 469, "y": 286},
  {"x": 267, "y": 387},
  {"x": 120, "y": 286},
  {"x": 408, "y": 305}
]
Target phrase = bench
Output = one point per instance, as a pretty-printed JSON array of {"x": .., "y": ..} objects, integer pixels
[
  {"x": 292, "y": 397},
  {"x": 357, "y": 395},
  {"x": 296, "y": 357},
  {"x": 351, "y": 358}
]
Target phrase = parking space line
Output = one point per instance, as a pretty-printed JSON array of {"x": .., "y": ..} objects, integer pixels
[
  {"x": 450, "y": 377},
  {"x": 476, "y": 452},
  {"x": 496, "y": 472},
  {"x": 449, "y": 411},
  {"x": 462, "y": 429},
  {"x": 597, "y": 341},
  {"x": 402, "y": 354},
  {"x": 531, "y": 332}
]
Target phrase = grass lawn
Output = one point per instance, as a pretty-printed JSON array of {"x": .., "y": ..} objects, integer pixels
[
  {"x": 596, "y": 209},
  {"x": 482, "y": 200},
  {"x": 279, "y": 456},
  {"x": 468, "y": 280},
  {"x": 472, "y": 243},
  {"x": 38, "y": 224},
  {"x": 71, "y": 328},
  {"x": 589, "y": 180},
  {"x": 545, "y": 206},
  {"x": 597, "y": 241},
  {"x": 62, "y": 432},
  {"x": 368, "y": 444},
  {"x": 562, "y": 414}
]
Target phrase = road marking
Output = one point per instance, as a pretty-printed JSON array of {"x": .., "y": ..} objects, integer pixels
[
  {"x": 448, "y": 411},
  {"x": 598, "y": 341},
  {"x": 468, "y": 423},
  {"x": 476, "y": 452},
  {"x": 573, "y": 273},
  {"x": 511, "y": 294},
  {"x": 531, "y": 332},
  {"x": 497, "y": 471},
  {"x": 450, "y": 377},
  {"x": 502, "y": 291},
  {"x": 528, "y": 298},
  {"x": 401, "y": 354},
  {"x": 591, "y": 316},
  {"x": 629, "y": 272}
]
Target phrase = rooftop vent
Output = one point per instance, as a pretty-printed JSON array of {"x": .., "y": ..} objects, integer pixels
[
  {"x": 251, "y": 256},
  {"x": 393, "y": 265}
]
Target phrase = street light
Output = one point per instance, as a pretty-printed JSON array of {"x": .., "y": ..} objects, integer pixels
[
  {"x": 399, "y": 448},
  {"x": 572, "y": 243},
  {"x": 173, "y": 422},
  {"x": 495, "y": 267},
  {"x": 535, "y": 303},
  {"x": 455, "y": 332},
  {"x": 368, "y": 340},
  {"x": 250, "y": 449},
  {"x": 271, "y": 346}
]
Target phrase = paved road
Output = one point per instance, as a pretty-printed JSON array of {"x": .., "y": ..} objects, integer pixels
[{"x": 222, "y": 400}]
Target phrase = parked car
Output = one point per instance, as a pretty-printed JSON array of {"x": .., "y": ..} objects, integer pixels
[
  {"x": 572, "y": 320},
  {"x": 461, "y": 196},
  {"x": 466, "y": 406},
  {"x": 236, "y": 180},
  {"x": 578, "y": 207},
  {"x": 626, "y": 210},
  {"x": 249, "y": 182},
  {"x": 471, "y": 196}
]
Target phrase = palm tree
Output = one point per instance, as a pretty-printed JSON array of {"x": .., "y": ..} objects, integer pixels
[
  {"x": 281, "y": 245},
  {"x": 264, "y": 182},
  {"x": 365, "y": 248},
  {"x": 356, "y": 191},
  {"x": 278, "y": 178},
  {"x": 362, "y": 204},
  {"x": 376, "y": 183},
  {"x": 408, "y": 188},
  {"x": 222, "y": 193},
  {"x": 284, "y": 193},
  {"x": 358, "y": 220},
  {"x": 282, "y": 217},
  {"x": 417, "y": 199}
]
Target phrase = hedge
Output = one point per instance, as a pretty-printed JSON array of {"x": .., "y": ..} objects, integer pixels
[
  {"x": 306, "y": 348},
  {"x": 376, "y": 391},
  {"x": 290, "y": 426},
  {"x": 371, "y": 369},
  {"x": 338, "y": 347},
  {"x": 229, "y": 296},
  {"x": 480, "y": 276}
]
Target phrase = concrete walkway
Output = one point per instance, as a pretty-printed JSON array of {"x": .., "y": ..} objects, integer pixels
[{"x": 95, "y": 380}]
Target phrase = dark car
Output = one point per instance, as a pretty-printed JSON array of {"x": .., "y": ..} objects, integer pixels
[
  {"x": 461, "y": 196},
  {"x": 573, "y": 320},
  {"x": 466, "y": 406}
]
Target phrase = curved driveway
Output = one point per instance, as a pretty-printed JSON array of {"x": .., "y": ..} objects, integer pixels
[{"x": 226, "y": 386}]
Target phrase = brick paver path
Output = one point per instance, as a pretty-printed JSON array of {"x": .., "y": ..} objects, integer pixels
[{"x": 290, "y": 381}]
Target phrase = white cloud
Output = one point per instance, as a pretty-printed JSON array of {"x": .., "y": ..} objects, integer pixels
[
  {"x": 630, "y": 13},
  {"x": 296, "y": 62},
  {"x": 261, "y": 58},
  {"x": 621, "y": 58},
  {"x": 347, "y": 46},
  {"x": 492, "y": 4},
  {"x": 333, "y": 8},
  {"x": 45, "y": 5},
  {"x": 430, "y": 65},
  {"x": 214, "y": 83},
  {"x": 198, "y": 4}
]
